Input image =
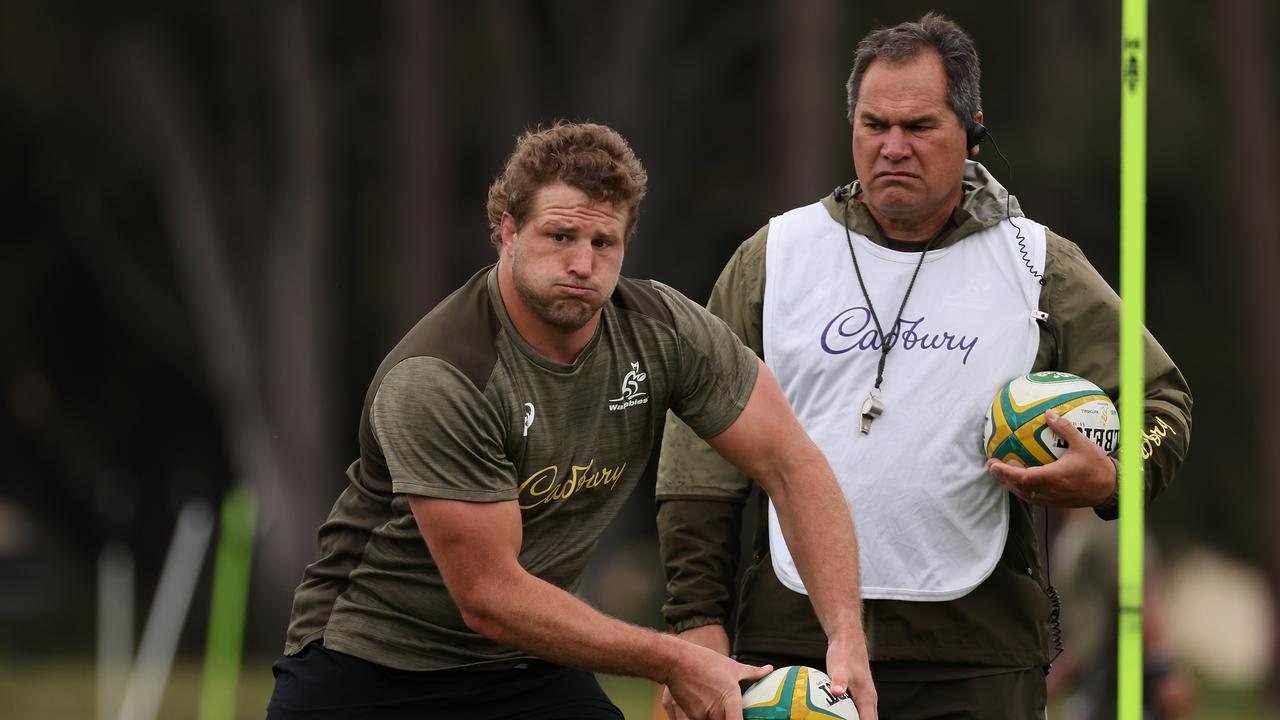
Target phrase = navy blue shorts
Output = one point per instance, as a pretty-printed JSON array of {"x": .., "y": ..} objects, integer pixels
[{"x": 319, "y": 683}]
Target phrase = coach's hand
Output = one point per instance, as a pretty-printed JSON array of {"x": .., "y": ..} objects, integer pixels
[
  {"x": 712, "y": 637},
  {"x": 1084, "y": 476},
  {"x": 704, "y": 683},
  {"x": 850, "y": 671}
]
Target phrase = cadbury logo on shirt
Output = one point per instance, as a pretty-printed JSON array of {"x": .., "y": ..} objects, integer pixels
[
  {"x": 853, "y": 329},
  {"x": 546, "y": 486}
]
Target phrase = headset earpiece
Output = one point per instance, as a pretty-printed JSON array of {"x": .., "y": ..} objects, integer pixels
[{"x": 976, "y": 133}]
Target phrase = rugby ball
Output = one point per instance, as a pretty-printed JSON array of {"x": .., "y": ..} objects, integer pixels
[
  {"x": 795, "y": 692},
  {"x": 1016, "y": 432}
]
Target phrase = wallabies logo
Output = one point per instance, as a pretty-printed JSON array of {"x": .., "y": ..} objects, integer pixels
[{"x": 631, "y": 392}]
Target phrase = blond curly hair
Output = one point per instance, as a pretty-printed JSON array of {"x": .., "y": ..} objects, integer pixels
[{"x": 590, "y": 157}]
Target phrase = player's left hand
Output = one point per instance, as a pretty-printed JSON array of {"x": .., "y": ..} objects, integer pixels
[
  {"x": 850, "y": 671},
  {"x": 1084, "y": 476}
]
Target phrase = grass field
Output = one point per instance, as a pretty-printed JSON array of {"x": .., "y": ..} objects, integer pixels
[
  {"x": 62, "y": 689},
  {"x": 65, "y": 689}
]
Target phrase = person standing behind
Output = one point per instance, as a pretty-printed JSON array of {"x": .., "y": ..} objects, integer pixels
[
  {"x": 891, "y": 311},
  {"x": 502, "y": 435},
  {"x": 1086, "y": 559}
]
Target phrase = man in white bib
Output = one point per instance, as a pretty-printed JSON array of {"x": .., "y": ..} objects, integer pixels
[{"x": 891, "y": 311}]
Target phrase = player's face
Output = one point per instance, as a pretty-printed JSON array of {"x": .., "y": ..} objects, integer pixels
[
  {"x": 566, "y": 256},
  {"x": 908, "y": 146}
]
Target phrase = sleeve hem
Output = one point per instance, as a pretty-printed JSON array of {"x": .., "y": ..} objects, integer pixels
[
  {"x": 712, "y": 494},
  {"x": 484, "y": 496},
  {"x": 695, "y": 622},
  {"x": 1109, "y": 509},
  {"x": 739, "y": 403}
]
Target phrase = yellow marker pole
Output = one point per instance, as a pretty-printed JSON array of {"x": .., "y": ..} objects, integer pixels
[
  {"x": 227, "y": 607},
  {"x": 1133, "y": 202}
]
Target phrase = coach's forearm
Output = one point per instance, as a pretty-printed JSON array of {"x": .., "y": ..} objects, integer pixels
[{"x": 698, "y": 540}]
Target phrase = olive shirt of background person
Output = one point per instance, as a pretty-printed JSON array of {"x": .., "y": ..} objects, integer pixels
[
  {"x": 1001, "y": 623},
  {"x": 956, "y": 618}
]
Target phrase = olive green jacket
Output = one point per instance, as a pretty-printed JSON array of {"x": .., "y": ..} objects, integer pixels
[{"x": 1004, "y": 622}]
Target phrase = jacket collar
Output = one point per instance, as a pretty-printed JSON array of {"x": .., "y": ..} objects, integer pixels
[{"x": 982, "y": 205}]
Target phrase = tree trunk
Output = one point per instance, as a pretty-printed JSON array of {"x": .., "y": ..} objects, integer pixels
[
  {"x": 807, "y": 86},
  {"x": 266, "y": 367},
  {"x": 1249, "y": 79},
  {"x": 423, "y": 235},
  {"x": 295, "y": 348}
]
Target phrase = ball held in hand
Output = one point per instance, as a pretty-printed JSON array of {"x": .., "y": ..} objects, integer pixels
[
  {"x": 795, "y": 692},
  {"x": 1016, "y": 431}
]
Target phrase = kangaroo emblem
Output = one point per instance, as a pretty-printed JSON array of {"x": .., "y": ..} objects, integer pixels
[{"x": 631, "y": 384}]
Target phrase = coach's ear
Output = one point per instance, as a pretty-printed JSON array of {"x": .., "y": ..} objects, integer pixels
[{"x": 976, "y": 133}]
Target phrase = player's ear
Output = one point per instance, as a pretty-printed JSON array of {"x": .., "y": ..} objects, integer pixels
[{"x": 508, "y": 230}]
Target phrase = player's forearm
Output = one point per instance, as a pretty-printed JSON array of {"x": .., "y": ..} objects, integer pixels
[
  {"x": 529, "y": 614},
  {"x": 819, "y": 531},
  {"x": 768, "y": 443}
]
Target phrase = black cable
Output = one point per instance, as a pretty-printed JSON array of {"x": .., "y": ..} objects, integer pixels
[
  {"x": 1055, "y": 601},
  {"x": 1008, "y": 215}
]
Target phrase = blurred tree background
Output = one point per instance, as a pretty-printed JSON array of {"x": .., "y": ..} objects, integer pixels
[{"x": 219, "y": 216}]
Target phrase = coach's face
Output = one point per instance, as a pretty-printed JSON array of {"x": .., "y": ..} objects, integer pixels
[
  {"x": 908, "y": 146},
  {"x": 566, "y": 256}
]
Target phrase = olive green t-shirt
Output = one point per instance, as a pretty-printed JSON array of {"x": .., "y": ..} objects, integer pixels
[{"x": 464, "y": 409}]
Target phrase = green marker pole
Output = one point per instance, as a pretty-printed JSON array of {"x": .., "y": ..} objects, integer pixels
[
  {"x": 227, "y": 609},
  {"x": 1133, "y": 202}
]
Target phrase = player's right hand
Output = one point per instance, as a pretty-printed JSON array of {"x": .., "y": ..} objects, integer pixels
[
  {"x": 705, "y": 684},
  {"x": 712, "y": 637}
]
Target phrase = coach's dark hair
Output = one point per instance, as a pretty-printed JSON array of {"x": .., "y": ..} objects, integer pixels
[
  {"x": 592, "y": 158},
  {"x": 905, "y": 41}
]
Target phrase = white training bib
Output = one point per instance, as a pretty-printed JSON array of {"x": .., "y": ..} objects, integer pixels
[{"x": 931, "y": 522}]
